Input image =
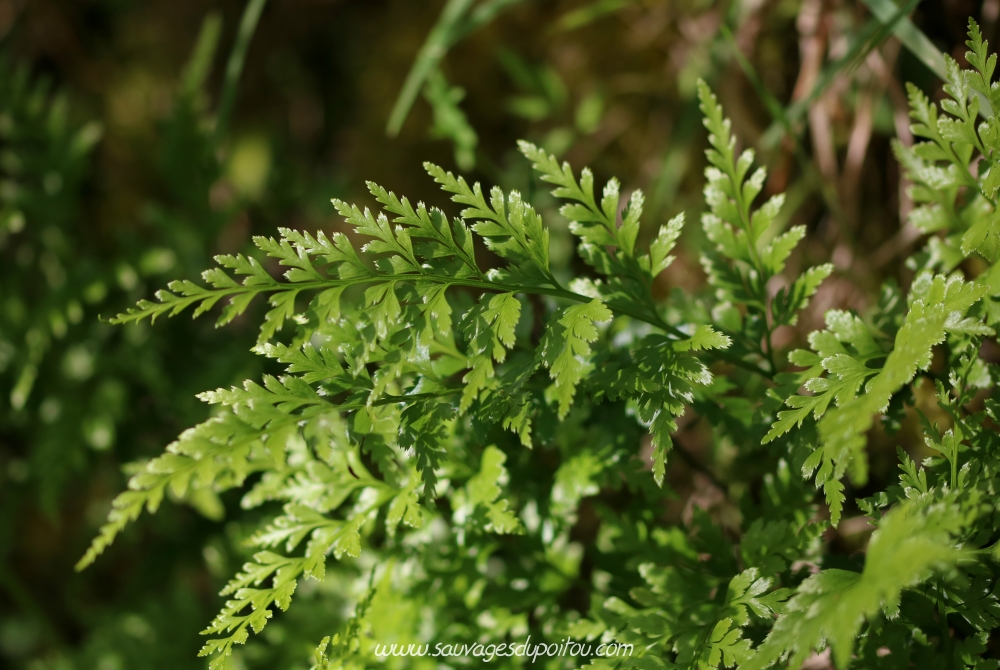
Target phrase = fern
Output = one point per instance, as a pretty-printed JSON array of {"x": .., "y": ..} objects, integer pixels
[
  {"x": 748, "y": 253},
  {"x": 396, "y": 369},
  {"x": 912, "y": 542},
  {"x": 937, "y": 308},
  {"x": 488, "y": 444}
]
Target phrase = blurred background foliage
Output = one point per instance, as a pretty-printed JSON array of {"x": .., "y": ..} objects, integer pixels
[{"x": 140, "y": 137}]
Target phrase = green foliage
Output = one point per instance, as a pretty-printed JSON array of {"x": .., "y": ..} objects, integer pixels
[
  {"x": 913, "y": 541},
  {"x": 937, "y": 308},
  {"x": 488, "y": 442},
  {"x": 46, "y": 295},
  {"x": 79, "y": 397},
  {"x": 748, "y": 253},
  {"x": 457, "y": 20}
]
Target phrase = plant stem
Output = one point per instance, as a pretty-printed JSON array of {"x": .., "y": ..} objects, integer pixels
[
  {"x": 652, "y": 319},
  {"x": 945, "y": 630}
]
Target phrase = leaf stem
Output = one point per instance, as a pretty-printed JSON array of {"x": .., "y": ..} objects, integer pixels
[{"x": 179, "y": 303}]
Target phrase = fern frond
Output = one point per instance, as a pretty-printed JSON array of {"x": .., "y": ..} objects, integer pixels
[
  {"x": 913, "y": 542},
  {"x": 938, "y": 306}
]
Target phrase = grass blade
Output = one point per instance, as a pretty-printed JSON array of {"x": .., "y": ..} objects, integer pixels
[
  {"x": 439, "y": 40},
  {"x": 911, "y": 36},
  {"x": 238, "y": 56}
]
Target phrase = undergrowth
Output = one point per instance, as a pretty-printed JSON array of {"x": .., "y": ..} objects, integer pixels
[{"x": 475, "y": 445}]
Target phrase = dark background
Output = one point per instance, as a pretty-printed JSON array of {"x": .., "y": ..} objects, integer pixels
[{"x": 608, "y": 84}]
